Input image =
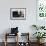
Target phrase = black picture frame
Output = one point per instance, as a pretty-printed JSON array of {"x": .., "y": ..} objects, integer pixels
[{"x": 17, "y": 13}]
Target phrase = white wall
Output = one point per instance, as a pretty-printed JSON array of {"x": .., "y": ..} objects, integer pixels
[{"x": 24, "y": 25}]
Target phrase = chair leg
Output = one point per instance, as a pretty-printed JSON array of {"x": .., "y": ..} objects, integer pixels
[{"x": 5, "y": 43}]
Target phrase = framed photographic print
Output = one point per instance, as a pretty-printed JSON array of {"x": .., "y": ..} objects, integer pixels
[
  {"x": 41, "y": 8},
  {"x": 41, "y": 12},
  {"x": 18, "y": 13}
]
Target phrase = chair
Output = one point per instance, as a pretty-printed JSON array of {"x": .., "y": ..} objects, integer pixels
[
  {"x": 14, "y": 32},
  {"x": 26, "y": 37},
  {"x": 8, "y": 35}
]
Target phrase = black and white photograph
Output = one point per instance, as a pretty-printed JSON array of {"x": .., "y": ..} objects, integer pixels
[{"x": 18, "y": 13}]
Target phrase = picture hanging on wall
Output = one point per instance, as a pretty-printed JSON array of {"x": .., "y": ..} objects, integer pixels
[
  {"x": 41, "y": 8},
  {"x": 17, "y": 13},
  {"x": 41, "y": 12}
]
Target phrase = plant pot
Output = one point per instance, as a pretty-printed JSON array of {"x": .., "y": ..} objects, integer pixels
[{"x": 40, "y": 41}]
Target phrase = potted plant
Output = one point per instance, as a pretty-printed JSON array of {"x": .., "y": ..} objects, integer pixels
[{"x": 39, "y": 35}]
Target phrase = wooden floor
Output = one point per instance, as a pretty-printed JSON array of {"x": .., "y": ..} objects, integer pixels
[{"x": 13, "y": 44}]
